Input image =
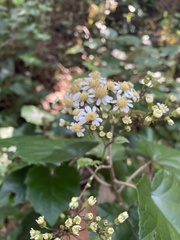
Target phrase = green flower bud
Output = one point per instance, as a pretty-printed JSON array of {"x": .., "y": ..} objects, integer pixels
[
  {"x": 88, "y": 216},
  {"x": 69, "y": 222},
  {"x": 77, "y": 219}
]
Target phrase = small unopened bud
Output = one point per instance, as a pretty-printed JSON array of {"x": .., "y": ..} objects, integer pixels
[
  {"x": 88, "y": 216},
  {"x": 102, "y": 134},
  {"x": 122, "y": 217},
  {"x": 178, "y": 111},
  {"x": 127, "y": 128},
  {"x": 97, "y": 218},
  {"x": 74, "y": 203},
  {"x": 77, "y": 219},
  {"x": 169, "y": 121},
  {"x": 149, "y": 98},
  {"x": 105, "y": 223},
  {"x": 93, "y": 128},
  {"x": 172, "y": 98},
  {"x": 110, "y": 230},
  {"x": 47, "y": 236},
  {"x": 75, "y": 229},
  {"x": 93, "y": 226},
  {"x": 147, "y": 120},
  {"x": 109, "y": 135},
  {"x": 157, "y": 113},
  {"x": 104, "y": 115},
  {"x": 69, "y": 222}
]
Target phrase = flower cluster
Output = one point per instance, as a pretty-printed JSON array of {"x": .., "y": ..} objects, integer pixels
[
  {"x": 72, "y": 223},
  {"x": 91, "y": 101}
]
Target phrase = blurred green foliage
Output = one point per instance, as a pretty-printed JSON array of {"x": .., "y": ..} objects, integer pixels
[{"x": 121, "y": 39}]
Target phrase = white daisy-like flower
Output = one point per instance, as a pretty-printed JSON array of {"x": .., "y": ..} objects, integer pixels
[
  {"x": 126, "y": 88},
  {"x": 123, "y": 104},
  {"x": 113, "y": 86},
  {"x": 163, "y": 107},
  {"x": 77, "y": 128},
  {"x": 70, "y": 101},
  {"x": 135, "y": 97},
  {"x": 84, "y": 97},
  {"x": 89, "y": 115},
  {"x": 101, "y": 94}
]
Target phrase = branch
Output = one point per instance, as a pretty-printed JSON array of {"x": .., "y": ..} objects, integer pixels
[{"x": 134, "y": 175}]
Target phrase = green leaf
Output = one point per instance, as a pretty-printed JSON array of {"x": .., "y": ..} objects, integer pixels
[
  {"x": 172, "y": 50},
  {"x": 81, "y": 162},
  {"x": 36, "y": 116},
  {"x": 75, "y": 49},
  {"x": 93, "y": 43},
  {"x": 14, "y": 184},
  {"x": 30, "y": 59},
  {"x": 161, "y": 154},
  {"x": 129, "y": 40},
  {"x": 159, "y": 207},
  {"x": 121, "y": 140},
  {"x": 51, "y": 191},
  {"x": 36, "y": 149},
  {"x": 126, "y": 230}
]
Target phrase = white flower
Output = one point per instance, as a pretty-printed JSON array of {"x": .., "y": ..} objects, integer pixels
[
  {"x": 89, "y": 115},
  {"x": 123, "y": 105},
  {"x": 126, "y": 120},
  {"x": 163, "y": 107},
  {"x": 126, "y": 88},
  {"x": 77, "y": 128},
  {"x": 101, "y": 94}
]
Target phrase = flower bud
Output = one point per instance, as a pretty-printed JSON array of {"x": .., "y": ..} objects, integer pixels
[
  {"x": 147, "y": 120},
  {"x": 149, "y": 98},
  {"x": 109, "y": 135},
  {"x": 157, "y": 113},
  {"x": 122, "y": 217},
  {"x": 110, "y": 230},
  {"x": 74, "y": 203},
  {"x": 47, "y": 236},
  {"x": 97, "y": 218},
  {"x": 77, "y": 219},
  {"x": 75, "y": 229},
  {"x": 41, "y": 222},
  {"x": 69, "y": 222},
  {"x": 88, "y": 216},
  {"x": 172, "y": 98},
  {"x": 93, "y": 226}
]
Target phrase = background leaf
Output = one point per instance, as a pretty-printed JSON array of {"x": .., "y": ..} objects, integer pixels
[
  {"x": 159, "y": 207},
  {"x": 50, "y": 191}
]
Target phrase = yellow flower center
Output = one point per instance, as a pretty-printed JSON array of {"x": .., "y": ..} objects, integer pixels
[
  {"x": 95, "y": 74},
  {"x": 68, "y": 102},
  {"x": 110, "y": 85},
  {"x": 100, "y": 92},
  {"x": 94, "y": 83},
  {"x": 90, "y": 116},
  {"x": 75, "y": 88},
  {"x": 125, "y": 86},
  {"x": 84, "y": 96},
  {"x": 75, "y": 112},
  {"x": 76, "y": 127},
  {"x": 122, "y": 102}
]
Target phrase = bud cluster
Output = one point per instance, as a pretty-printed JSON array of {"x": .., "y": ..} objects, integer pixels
[{"x": 72, "y": 223}]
